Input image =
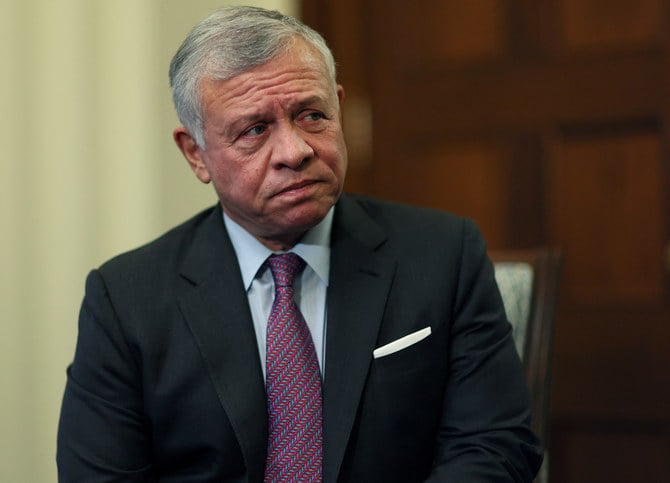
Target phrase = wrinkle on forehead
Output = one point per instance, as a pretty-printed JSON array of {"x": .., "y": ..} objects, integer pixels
[
  {"x": 291, "y": 77},
  {"x": 284, "y": 83}
]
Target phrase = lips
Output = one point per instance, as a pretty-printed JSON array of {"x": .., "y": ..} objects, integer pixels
[{"x": 296, "y": 186}]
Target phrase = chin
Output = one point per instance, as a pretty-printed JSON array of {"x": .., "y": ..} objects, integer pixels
[{"x": 305, "y": 217}]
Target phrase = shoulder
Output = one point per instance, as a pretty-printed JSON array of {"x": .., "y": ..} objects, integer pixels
[
  {"x": 165, "y": 252},
  {"x": 145, "y": 283},
  {"x": 418, "y": 236},
  {"x": 414, "y": 222}
]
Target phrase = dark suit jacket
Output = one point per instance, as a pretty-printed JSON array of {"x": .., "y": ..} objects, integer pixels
[{"x": 166, "y": 382}]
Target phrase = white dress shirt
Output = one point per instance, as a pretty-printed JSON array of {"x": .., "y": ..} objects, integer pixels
[{"x": 310, "y": 287}]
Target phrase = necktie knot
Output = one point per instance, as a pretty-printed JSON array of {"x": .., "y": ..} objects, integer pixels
[{"x": 285, "y": 268}]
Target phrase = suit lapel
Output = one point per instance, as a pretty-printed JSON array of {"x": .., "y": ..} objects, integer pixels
[
  {"x": 216, "y": 310},
  {"x": 360, "y": 279}
]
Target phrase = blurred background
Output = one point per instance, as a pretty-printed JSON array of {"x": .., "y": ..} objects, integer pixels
[{"x": 544, "y": 120}]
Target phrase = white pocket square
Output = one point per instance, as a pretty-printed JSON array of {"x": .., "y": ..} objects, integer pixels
[{"x": 401, "y": 343}]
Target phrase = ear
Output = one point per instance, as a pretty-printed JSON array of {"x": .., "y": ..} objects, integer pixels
[
  {"x": 340, "y": 94},
  {"x": 192, "y": 152}
]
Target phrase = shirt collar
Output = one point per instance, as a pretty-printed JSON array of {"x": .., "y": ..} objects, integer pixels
[{"x": 314, "y": 248}]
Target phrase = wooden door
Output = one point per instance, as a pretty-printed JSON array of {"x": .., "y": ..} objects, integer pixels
[{"x": 547, "y": 122}]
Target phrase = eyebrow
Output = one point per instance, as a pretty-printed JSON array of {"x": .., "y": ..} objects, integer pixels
[
  {"x": 310, "y": 100},
  {"x": 253, "y": 118}
]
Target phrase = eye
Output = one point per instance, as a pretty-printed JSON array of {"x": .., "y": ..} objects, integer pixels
[
  {"x": 314, "y": 116},
  {"x": 255, "y": 131}
]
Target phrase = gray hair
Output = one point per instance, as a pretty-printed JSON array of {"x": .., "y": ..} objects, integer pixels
[{"x": 229, "y": 42}]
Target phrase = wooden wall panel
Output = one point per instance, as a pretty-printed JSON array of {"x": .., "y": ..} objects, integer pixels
[
  {"x": 598, "y": 25},
  {"x": 464, "y": 31},
  {"x": 468, "y": 179},
  {"x": 601, "y": 454},
  {"x": 613, "y": 243},
  {"x": 610, "y": 369}
]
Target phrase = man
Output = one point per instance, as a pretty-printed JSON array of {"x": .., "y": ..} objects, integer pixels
[{"x": 406, "y": 369}]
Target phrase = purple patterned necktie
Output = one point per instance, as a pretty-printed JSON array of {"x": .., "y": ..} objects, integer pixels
[{"x": 293, "y": 384}]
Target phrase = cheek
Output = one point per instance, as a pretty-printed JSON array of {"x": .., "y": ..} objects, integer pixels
[
  {"x": 330, "y": 145},
  {"x": 240, "y": 182},
  {"x": 337, "y": 156}
]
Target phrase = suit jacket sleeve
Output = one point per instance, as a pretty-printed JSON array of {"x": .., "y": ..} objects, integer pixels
[
  {"x": 102, "y": 434},
  {"x": 484, "y": 431}
]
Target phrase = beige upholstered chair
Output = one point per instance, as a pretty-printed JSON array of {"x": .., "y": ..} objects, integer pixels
[{"x": 529, "y": 282}]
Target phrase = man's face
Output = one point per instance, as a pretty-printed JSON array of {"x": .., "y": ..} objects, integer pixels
[{"x": 275, "y": 152}]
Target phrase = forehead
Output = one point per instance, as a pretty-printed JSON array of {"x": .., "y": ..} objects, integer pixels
[{"x": 298, "y": 72}]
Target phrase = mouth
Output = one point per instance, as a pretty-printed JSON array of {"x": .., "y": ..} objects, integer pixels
[{"x": 296, "y": 187}]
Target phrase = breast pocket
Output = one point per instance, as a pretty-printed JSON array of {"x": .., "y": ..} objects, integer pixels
[
  {"x": 411, "y": 361},
  {"x": 401, "y": 405}
]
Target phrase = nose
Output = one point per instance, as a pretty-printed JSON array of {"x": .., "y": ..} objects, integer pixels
[{"x": 290, "y": 149}]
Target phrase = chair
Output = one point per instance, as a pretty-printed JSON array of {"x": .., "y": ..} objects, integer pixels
[{"x": 529, "y": 283}]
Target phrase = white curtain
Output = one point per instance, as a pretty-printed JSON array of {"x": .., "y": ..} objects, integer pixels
[{"x": 87, "y": 169}]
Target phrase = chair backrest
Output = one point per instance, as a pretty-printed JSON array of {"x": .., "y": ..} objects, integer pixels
[{"x": 529, "y": 282}]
